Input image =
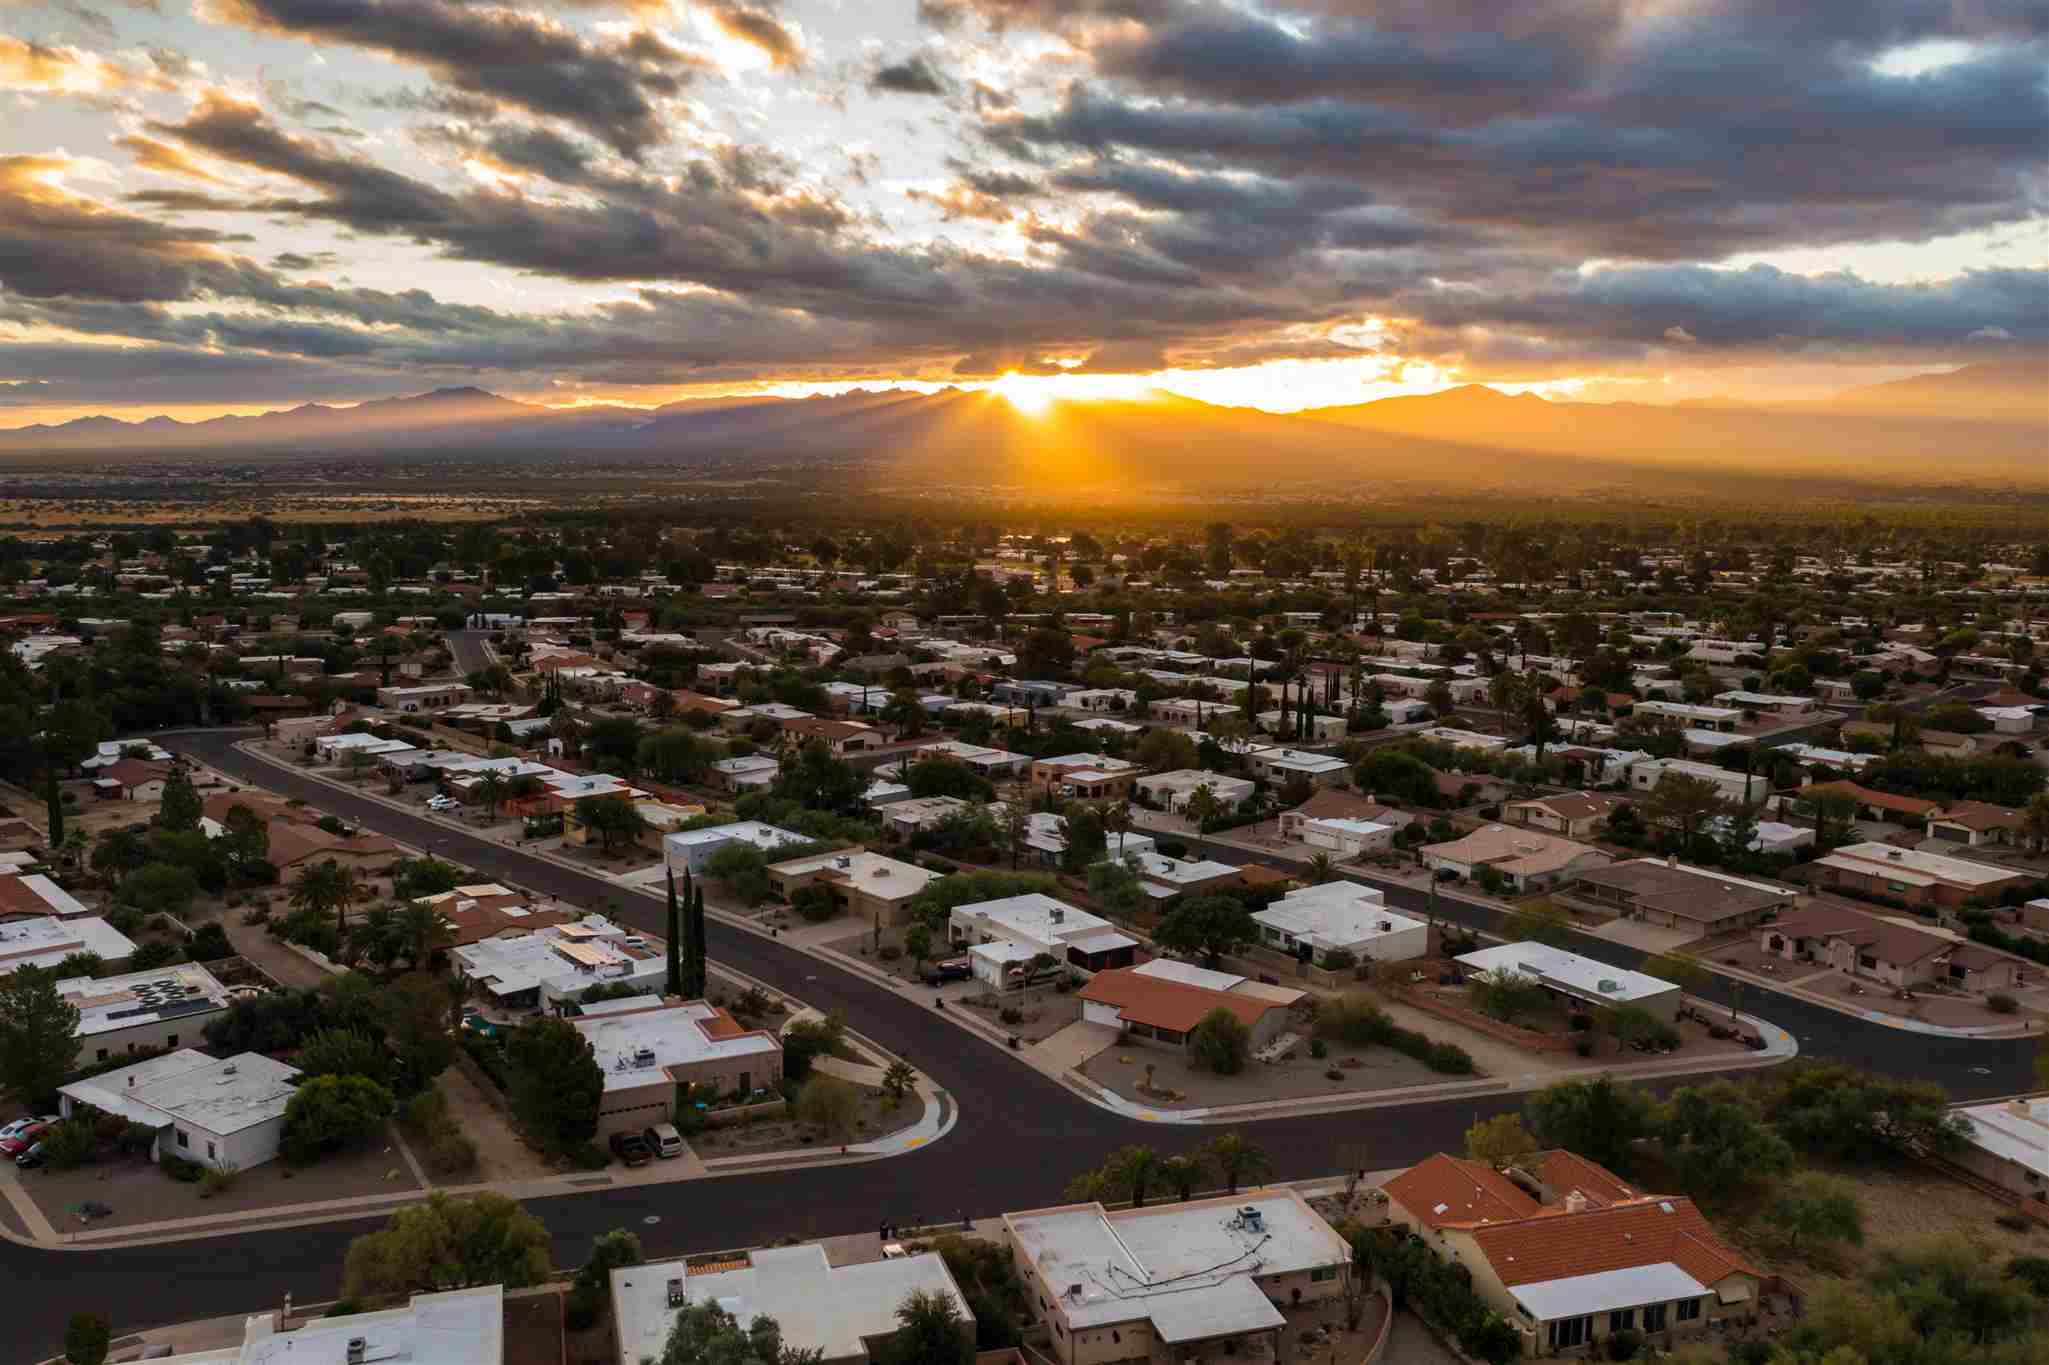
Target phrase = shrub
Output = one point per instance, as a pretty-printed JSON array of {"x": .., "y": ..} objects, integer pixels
[
  {"x": 213, "y": 1182},
  {"x": 1010, "y": 1015},
  {"x": 1584, "y": 1047},
  {"x": 452, "y": 1153},
  {"x": 1999, "y": 1002},
  {"x": 889, "y": 952},
  {"x": 1318, "y": 1048},
  {"x": 70, "y": 1143},
  {"x": 581, "y": 1306},
  {"x": 1340, "y": 960},
  {"x": 2032, "y": 1271},
  {"x": 1449, "y": 1058},
  {"x": 179, "y": 1169},
  {"x": 1581, "y": 1023}
]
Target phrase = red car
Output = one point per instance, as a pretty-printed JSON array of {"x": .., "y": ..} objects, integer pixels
[{"x": 24, "y": 1137}]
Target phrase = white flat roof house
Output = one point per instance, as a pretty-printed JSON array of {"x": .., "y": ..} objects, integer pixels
[
  {"x": 553, "y": 966},
  {"x": 1167, "y": 1279},
  {"x": 693, "y": 848},
  {"x": 1734, "y": 785},
  {"x": 31, "y": 893},
  {"x": 1581, "y": 978},
  {"x": 1279, "y": 765},
  {"x": 1342, "y": 917},
  {"x": 837, "y": 1311},
  {"x": 2009, "y": 1144},
  {"x": 648, "y": 1047},
  {"x": 458, "y": 1327},
  {"x": 45, "y": 941},
  {"x": 1002, "y": 935},
  {"x": 219, "y": 1113},
  {"x": 1172, "y": 790},
  {"x": 163, "y": 1007}
]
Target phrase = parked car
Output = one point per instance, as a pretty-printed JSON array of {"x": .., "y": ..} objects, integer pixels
[
  {"x": 952, "y": 969},
  {"x": 442, "y": 803},
  {"x": 31, "y": 1158},
  {"x": 25, "y": 1137},
  {"x": 1446, "y": 874},
  {"x": 665, "y": 1140},
  {"x": 15, "y": 1128},
  {"x": 632, "y": 1148}
]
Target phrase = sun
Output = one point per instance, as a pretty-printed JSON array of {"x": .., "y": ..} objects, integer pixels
[{"x": 1030, "y": 396}]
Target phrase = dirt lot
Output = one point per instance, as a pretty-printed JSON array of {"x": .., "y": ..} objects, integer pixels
[
  {"x": 139, "y": 1192},
  {"x": 501, "y": 1155},
  {"x": 775, "y": 1135},
  {"x": 1123, "y": 1069},
  {"x": 1045, "y": 1012}
]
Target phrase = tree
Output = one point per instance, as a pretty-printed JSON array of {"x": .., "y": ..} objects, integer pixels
[
  {"x": 180, "y": 807},
  {"x": 830, "y": 1105},
  {"x": 930, "y": 1331},
  {"x": 1682, "y": 803},
  {"x": 326, "y": 886},
  {"x": 918, "y": 942},
  {"x": 742, "y": 868},
  {"x": 38, "y": 1037},
  {"x": 819, "y": 780},
  {"x": 1220, "y": 1042},
  {"x": 616, "y": 819},
  {"x": 86, "y": 1339},
  {"x": 1500, "y": 1141},
  {"x": 1683, "y": 970},
  {"x": 160, "y": 886},
  {"x": 1813, "y": 1207},
  {"x": 1715, "y": 1139},
  {"x": 2035, "y": 821},
  {"x": 1237, "y": 1160},
  {"x": 556, "y": 1083},
  {"x": 332, "y": 1113},
  {"x": 897, "y": 1081},
  {"x": 416, "y": 1012},
  {"x": 1831, "y": 1110},
  {"x": 1597, "y": 1119},
  {"x": 807, "y": 1039},
  {"x": 1133, "y": 1168},
  {"x": 707, "y": 1334},
  {"x": 245, "y": 841},
  {"x": 592, "y": 1288},
  {"x": 1206, "y": 925},
  {"x": 1395, "y": 775},
  {"x": 344, "y": 1052},
  {"x": 425, "y": 875},
  {"x": 1506, "y": 993},
  {"x": 1183, "y": 1172},
  {"x": 1540, "y": 922},
  {"x": 419, "y": 932},
  {"x": 448, "y": 1244},
  {"x": 673, "y": 926}
]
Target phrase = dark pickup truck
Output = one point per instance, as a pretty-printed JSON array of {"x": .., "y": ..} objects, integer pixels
[
  {"x": 952, "y": 969},
  {"x": 632, "y": 1149}
]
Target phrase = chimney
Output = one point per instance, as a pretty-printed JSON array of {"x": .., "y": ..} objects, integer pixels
[{"x": 1575, "y": 1202}]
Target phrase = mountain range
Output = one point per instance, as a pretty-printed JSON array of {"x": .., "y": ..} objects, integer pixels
[{"x": 1981, "y": 423}]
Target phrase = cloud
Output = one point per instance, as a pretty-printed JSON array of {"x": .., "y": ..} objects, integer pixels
[
  {"x": 164, "y": 159},
  {"x": 53, "y": 69},
  {"x": 912, "y": 76},
  {"x": 757, "y": 26},
  {"x": 612, "y": 88},
  {"x": 1679, "y": 336}
]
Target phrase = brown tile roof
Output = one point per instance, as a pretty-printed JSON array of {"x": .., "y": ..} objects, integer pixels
[
  {"x": 1558, "y": 1244},
  {"x": 1161, "y": 1003},
  {"x": 1981, "y": 816},
  {"x": 1443, "y": 1191},
  {"x": 1332, "y": 803},
  {"x": 17, "y": 897},
  {"x": 487, "y": 918},
  {"x": 1259, "y": 874},
  {"x": 1904, "y": 805},
  {"x": 1567, "y": 1172},
  {"x": 1888, "y": 942},
  {"x": 134, "y": 772},
  {"x": 1577, "y": 805},
  {"x": 292, "y": 843}
]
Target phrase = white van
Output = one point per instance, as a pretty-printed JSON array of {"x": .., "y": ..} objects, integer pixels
[{"x": 666, "y": 1141}]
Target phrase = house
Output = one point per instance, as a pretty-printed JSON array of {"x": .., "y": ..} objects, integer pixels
[
  {"x": 1744, "y": 788},
  {"x": 425, "y": 697},
  {"x": 1187, "y": 1281},
  {"x": 1048, "y": 841},
  {"x": 1322, "y": 729},
  {"x": 1163, "y": 879},
  {"x": 457, "y": 1327},
  {"x": 226, "y": 1114},
  {"x": 1170, "y": 791},
  {"x": 1572, "y": 1269},
  {"x": 775, "y": 713},
  {"x": 905, "y": 817},
  {"x": 1341, "y": 917},
  {"x": 987, "y": 762},
  {"x": 1871, "y": 805},
  {"x": 1476, "y": 740},
  {"x": 841, "y": 737},
  {"x": 1576, "y": 815},
  {"x": 1666, "y": 893},
  {"x": 874, "y": 889},
  {"x": 1469, "y": 789},
  {"x": 1281, "y": 766},
  {"x": 749, "y": 772},
  {"x": 1769, "y": 704},
  {"x": 473, "y": 913},
  {"x": 294, "y": 845},
  {"x": 2008, "y": 1145},
  {"x": 1331, "y": 803},
  {"x": 1525, "y": 859},
  {"x": 1684, "y": 715},
  {"x": 1913, "y": 878},
  {"x": 2010, "y": 720},
  {"x": 165, "y": 1007},
  {"x": 131, "y": 779},
  {"x": 693, "y": 848},
  {"x": 1002, "y": 937},
  {"x": 657, "y": 1054},
  {"x": 1166, "y": 1008},
  {"x": 1893, "y": 952},
  {"x": 1090, "y": 777},
  {"x": 44, "y": 941},
  {"x": 551, "y": 967},
  {"x": 846, "y": 1313},
  {"x": 1345, "y": 839},
  {"x": 1976, "y": 823},
  {"x": 1581, "y": 980},
  {"x": 31, "y": 895},
  {"x": 1117, "y": 699}
]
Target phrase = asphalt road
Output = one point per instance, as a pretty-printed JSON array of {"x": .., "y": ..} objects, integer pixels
[
  {"x": 468, "y": 648},
  {"x": 1020, "y": 1136}
]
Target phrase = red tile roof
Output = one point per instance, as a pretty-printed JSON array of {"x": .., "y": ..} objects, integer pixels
[
  {"x": 1559, "y": 1244},
  {"x": 1161, "y": 1003},
  {"x": 1445, "y": 1191}
]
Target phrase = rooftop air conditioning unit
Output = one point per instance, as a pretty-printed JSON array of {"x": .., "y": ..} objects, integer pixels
[{"x": 1610, "y": 987}]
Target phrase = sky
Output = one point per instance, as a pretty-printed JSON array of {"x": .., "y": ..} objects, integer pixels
[{"x": 234, "y": 205}]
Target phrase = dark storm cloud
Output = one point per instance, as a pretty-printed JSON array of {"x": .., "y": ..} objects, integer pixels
[
  {"x": 608, "y": 87},
  {"x": 60, "y": 374},
  {"x": 53, "y": 243},
  {"x": 912, "y": 76}
]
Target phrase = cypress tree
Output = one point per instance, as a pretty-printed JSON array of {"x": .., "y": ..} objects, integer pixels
[
  {"x": 699, "y": 981},
  {"x": 675, "y": 929}
]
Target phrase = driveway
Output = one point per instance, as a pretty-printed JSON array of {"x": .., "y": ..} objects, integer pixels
[{"x": 1637, "y": 934}]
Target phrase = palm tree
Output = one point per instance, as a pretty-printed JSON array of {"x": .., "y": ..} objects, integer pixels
[
  {"x": 1321, "y": 869},
  {"x": 1134, "y": 1167},
  {"x": 419, "y": 929},
  {"x": 1183, "y": 1172},
  {"x": 1236, "y": 1160},
  {"x": 491, "y": 788},
  {"x": 324, "y": 886}
]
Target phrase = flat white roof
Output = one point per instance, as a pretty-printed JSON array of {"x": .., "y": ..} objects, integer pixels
[
  {"x": 1164, "y": 1262},
  {"x": 762, "y": 836},
  {"x": 1874, "y": 859},
  {"x": 819, "y": 1306},
  {"x": 459, "y": 1327},
  {"x": 1335, "y": 915},
  {"x": 1032, "y": 916},
  {"x": 1580, "y": 976},
  {"x": 45, "y": 941},
  {"x": 1178, "y": 871},
  {"x": 2017, "y": 1130},
  {"x": 1188, "y": 974},
  {"x": 1344, "y": 824},
  {"x": 1606, "y": 1290},
  {"x": 186, "y": 1086},
  {"x": 635, "y": 1048},
  {"x": 107, "y": 1004},
  {"x": 875, "y": 873},
  {"x": 565, "y": 958},
  {"x": 1188, "y": 779}
]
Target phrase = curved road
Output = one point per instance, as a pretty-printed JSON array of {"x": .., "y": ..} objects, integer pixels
[{"x": 1019, "y": 1136}]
